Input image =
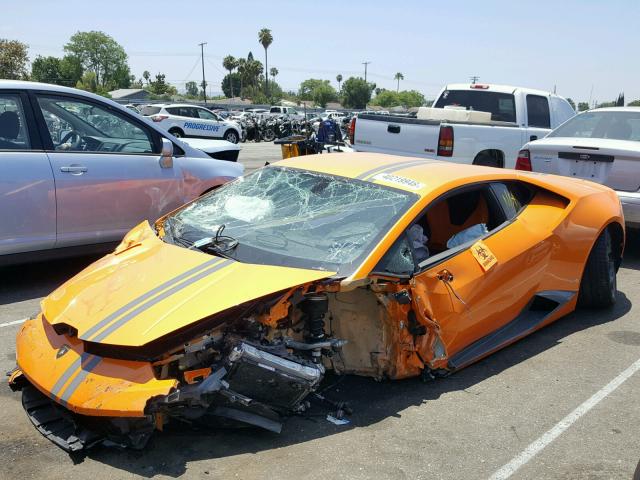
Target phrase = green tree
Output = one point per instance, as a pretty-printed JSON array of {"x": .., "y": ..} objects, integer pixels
[
  {"x": 146, "y": 75},
  {"x": 230, "y": 63},
  {"x": 13, "y": 59},
  {"x": 159, "y": 86},
  {"x": 323, "y": 94},
  {"x": 242, "y": 63},
  {"x": 231, "y": 83},
  {"x": 339, "y": 80},
  {"x": 266, "y": 39},
  {"x": 634, "y": 103},
  {"x": 273, "y": 72},
  {"x": 398, "y": 76},
  {"x": 305, "y": 92},
  {"x": 102, "y": 55},
  {"x": 46, "y": 70},
  {"x": 606, "y": 104},
  {"x": 572, "y": 103},
  {"x": 191, "y": 88},
  {"x": 582, "y": 106},
  {"x": 411, "y": 98},
  {"x": 356, "y": 93}
]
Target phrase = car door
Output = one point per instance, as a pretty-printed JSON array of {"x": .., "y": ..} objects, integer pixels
[
  {"x": 27, "y": 189},
  {"x": 216, "y": 128},
  {"x": 472, "y": 289},
  {"x": 106, "y": 165}
]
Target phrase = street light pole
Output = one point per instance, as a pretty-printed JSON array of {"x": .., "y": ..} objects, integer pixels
[{"x": 204, "y": 84}]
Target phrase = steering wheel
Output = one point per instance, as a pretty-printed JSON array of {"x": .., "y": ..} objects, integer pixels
[{"x": 77, "y": 139}]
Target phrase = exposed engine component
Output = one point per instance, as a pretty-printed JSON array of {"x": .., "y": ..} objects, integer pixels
[
  {"x": 268, "y": 378},
  {"x": 315, "y": 306}
]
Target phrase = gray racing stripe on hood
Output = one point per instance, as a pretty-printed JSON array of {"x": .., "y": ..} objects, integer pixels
[
  {"x": 65, "y": 377},
  {"x": 137, "y": 311},
  {"x": 104, "y": 322}
]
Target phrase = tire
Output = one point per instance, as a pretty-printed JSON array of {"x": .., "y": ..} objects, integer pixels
[
  {"x": 598, "y": 286},
  {"x": 176, "y": 132},
  {"x": 231, "y": 136},
  {"x": 268, "y": 135},
  {"x": 486, "y": 160}
]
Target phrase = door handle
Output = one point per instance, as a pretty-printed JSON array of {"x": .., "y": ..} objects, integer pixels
[
  {"x": 444, "y": 275},
  {"x": 74, "y": 169},
  {"x": 393, "y": 128}
]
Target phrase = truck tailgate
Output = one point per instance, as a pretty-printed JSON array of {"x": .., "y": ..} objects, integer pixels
[{"x": 396, "y": 135}]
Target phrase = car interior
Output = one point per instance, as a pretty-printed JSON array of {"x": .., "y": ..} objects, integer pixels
[
  {"x": 452, "y": 223},
  {"x": 13, "y": 135}
]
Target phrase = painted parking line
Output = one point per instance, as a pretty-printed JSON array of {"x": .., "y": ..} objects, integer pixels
[
  {"x": 15, "y": 322},
  {"x": 538, "y": 445}
]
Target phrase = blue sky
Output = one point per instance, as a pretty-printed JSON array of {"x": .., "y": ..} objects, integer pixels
[{"x": 585, "y": 48}]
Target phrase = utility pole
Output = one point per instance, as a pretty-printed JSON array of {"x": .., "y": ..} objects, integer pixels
[
  {"x": 204, "y": 84},
  {"x": 474, "y": 79},
  {"x": 365, "y": 70}
]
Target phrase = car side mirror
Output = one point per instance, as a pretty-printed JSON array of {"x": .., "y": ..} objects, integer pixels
[{"x": 166, "y": 154}]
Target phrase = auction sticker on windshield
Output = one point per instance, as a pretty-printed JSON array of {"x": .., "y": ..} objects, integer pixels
[{"x": 401, "y": 181}]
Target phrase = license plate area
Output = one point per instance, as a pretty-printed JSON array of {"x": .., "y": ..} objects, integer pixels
[{"x": 590, "y": 166}]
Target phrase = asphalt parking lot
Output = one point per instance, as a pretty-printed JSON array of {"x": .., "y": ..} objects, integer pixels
[{"x": 543, "y": 408}]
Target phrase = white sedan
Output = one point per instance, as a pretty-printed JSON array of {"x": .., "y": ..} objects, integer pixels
[
  {"x": 601, "y": 145},
  {"x": 183, "y": 120}
]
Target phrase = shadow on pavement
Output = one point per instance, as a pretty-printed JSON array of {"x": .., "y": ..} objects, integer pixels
[
  {"x": 632, "y": 250},
  {"x": 170, "y": 452},
  {"x": 34, "y": 280}
]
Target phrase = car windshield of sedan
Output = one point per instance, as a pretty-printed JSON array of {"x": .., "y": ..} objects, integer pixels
[
  {"x": 294, "y": 218},
  {"x": 614, "y": 125}
]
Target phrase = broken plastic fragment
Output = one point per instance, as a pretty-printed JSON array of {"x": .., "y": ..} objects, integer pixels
[{"x": 337, "y": 421}]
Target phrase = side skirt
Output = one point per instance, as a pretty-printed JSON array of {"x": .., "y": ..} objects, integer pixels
[{"x": 540, "y": 307}]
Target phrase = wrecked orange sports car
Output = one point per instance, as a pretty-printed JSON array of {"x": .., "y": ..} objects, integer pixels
[{"x": 234, "y": 306}]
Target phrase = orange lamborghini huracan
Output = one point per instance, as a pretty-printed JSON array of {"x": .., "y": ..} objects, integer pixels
[{"x": 234, "y": 306}]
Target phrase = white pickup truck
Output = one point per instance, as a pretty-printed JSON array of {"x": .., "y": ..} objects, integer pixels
[{"x": 478, "y": 124}]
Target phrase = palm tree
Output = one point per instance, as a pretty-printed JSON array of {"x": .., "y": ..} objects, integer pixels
[
  {"x": 241, "y": 66},
  {"x": 266, "y": 39},
  {"x": 398, "y": 77},
  {"x": 146, "y": 75},
  {"x": 339, "y": 80},
  {"x": 273, "y": 72},
  {"x": 229, "y": 63}
]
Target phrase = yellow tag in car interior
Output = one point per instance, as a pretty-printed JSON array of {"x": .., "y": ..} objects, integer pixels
[{"x": 483, "y": 255}]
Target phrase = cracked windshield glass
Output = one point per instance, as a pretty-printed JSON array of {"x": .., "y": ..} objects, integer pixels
[{"x": 290, "y": 217}]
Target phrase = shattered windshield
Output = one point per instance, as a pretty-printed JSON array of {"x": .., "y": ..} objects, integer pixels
[{"x": 296, "y": 218}]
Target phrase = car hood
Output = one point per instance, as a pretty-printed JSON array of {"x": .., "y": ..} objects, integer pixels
[
  {"x": 148, "y": 289},
  {"x": 210, "y": 146}
]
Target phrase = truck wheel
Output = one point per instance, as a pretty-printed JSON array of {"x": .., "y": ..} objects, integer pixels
[
  {"x": 176, "y": 132},
  {"x": 598, "y": 286},
  {"x": 486, "y": 160},
  {"x": 231, "y": 136}
]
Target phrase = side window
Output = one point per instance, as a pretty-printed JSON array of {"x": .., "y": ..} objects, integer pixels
[
  {"x": 538, "y": 111},
  {"x": 513, "y": 197},
  {"x": 448, "y": 226},
  {"x": 13, "y": 126},
  {"x": 174, "y": 111},
  {"x": 77, "y": 125},
  {"x": 206, "y": 114}
]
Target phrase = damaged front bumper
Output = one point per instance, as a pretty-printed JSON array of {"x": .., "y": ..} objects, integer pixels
[{"x": 78, "y": 400}]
